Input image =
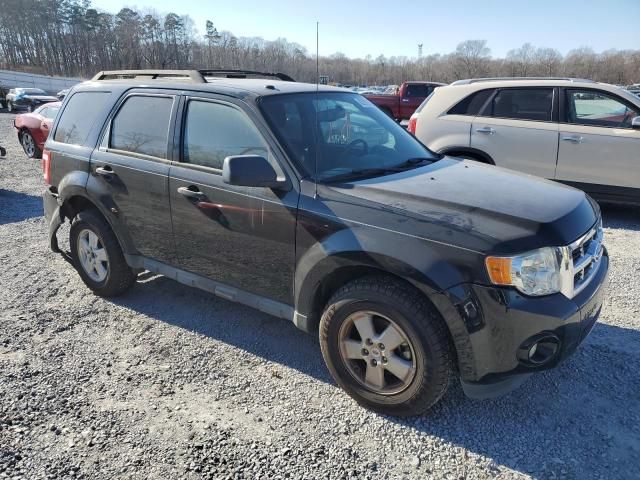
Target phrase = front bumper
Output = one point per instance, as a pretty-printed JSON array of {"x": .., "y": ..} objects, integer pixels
[{"x": 503, "y": 325}]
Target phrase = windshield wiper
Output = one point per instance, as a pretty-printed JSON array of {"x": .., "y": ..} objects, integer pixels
[
  {"x": 412, "y": 162},
  {"x": 361, "y": 173}
]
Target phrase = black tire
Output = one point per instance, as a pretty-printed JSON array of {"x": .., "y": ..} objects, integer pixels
[
  {"x": 36, "y": 152},
  {"x": 120, "y": 277},
  {"x": 424, "y": 328},
  {"x": 3, "y": 104}
]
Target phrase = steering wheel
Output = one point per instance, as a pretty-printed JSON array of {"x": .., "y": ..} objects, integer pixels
[
  {"x": 352, "y": 145},
  {"x": 628, "y": 116}
]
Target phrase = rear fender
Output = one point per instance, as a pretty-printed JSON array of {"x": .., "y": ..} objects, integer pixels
[{"x": 82, "y": 185}]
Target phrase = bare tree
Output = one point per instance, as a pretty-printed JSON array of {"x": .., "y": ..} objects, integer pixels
[{"x": 70, "y": 37}]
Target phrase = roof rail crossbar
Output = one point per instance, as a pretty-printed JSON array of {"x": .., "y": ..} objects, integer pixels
[
  {"x": 498, "y": 79},
  {"x": 193, "y": 75},
  {"x": 244, "y": 74}
]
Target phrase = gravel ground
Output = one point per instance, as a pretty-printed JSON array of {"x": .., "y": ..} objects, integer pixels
[{"x": 170, "y": 382}]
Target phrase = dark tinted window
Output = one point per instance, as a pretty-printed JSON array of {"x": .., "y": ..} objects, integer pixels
[
  {"x": 79, "y": 117},
  {"x": 472, "y": 104},
  {"x": 418, "y": 90},
  {"x": 522, "y": 104},
  {"x": 214, "y": 131},
  {"x": 142, "y": 126},
  {"x": 591, "y": 107}
]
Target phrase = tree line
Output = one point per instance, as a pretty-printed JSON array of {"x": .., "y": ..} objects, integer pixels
[{"x": 72, "y": 38}]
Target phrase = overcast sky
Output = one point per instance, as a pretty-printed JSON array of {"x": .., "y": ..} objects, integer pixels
[{"x": 359, "y": 28}]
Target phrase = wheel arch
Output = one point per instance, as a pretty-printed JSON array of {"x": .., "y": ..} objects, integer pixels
[
  {"x": 477, "y": 154},
  {"x": 74, "y": 198},
  {"x": 315, "y": 288}
]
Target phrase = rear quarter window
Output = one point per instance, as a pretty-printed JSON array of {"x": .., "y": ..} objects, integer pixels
[
  {"x": 79, "y": 117},
  {"x": 472, "y": 104}
]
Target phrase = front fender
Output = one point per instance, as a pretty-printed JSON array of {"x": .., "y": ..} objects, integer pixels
[{"x": 429, "y": 266}]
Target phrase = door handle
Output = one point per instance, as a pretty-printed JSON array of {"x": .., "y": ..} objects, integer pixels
[
  {"x": 487, "y": 130},
  {"x": 189, "y": 193},
  {"x": 405, "y": 99},
  {"x": 573, "y": 139},
  {"x": 105, "y": 171}
]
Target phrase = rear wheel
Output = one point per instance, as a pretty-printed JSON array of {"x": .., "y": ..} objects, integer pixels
[
  {"x": 29, "y": 145},
  {"x": 97, "y": 255},
  {"x": 386, "y": 346}
]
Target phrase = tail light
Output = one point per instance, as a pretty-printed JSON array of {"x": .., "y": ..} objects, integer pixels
[
  {"x": 413, "y": 123},
  {"x": 46, "y": 166}
]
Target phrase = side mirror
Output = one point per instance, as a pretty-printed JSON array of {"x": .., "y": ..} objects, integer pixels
[
  {"x": 635, "y": 123},
  {"x": 250, "y": 171}
]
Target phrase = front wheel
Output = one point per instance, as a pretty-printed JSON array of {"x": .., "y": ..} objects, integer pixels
[
  {"x": 386, "y": 346},
  {"x": 97, "y": 255}
]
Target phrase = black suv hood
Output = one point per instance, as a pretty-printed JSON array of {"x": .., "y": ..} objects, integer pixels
[{"x": 476, "y": 206}]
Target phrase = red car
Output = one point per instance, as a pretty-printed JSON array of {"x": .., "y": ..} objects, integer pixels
[
  {"x": 33, "y": 128},
  {"x": 402, "y": 105}
]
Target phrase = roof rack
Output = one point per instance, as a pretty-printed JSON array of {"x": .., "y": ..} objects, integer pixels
[
  {"x": 195, "y": 76},
  {"x": 191, "y": 75},
  {"x": 498, "y": 79},
  {"x": 245, "y": 74}
]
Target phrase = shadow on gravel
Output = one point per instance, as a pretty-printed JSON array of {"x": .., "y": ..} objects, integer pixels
[
  {"x": 614, "y": 216},
  {"x": 260, "y": 334},
  {"x": 16, "y": 206},
  {"x": 581, "y": 418}
]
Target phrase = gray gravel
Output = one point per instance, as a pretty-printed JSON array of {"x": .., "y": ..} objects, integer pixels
[{"x": 170, "y": 382}]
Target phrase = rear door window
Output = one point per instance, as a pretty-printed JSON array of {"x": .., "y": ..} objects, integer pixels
[
  {"x": 79, "y": 117},
  {"x": 522, "y": 104},
  {"x": 142, "y": 125}
]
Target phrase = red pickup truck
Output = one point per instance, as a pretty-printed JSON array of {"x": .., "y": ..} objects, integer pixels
[{"x": 409, "y": 97}]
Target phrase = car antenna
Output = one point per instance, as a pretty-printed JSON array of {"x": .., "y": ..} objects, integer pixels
[{"x": 317, "y": 125}]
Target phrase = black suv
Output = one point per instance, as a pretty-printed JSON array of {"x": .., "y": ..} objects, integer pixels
[{"x": 309, "y": 203}]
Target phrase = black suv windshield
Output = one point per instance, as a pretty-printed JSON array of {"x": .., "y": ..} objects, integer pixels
[{"x": 347, "y": 133}]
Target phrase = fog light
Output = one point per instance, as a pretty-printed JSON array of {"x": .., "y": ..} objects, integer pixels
[{"x": 539, "y": 350}]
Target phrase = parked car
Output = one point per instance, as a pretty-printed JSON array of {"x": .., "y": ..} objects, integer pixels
[
  {"x": 33, "y": 128},
  {"x": 413, "y": 120},
  {"x": 401, "y": 105},
  {"x": 579, "y": 132},
  {"x": 27, "y": 98},
  {"x": 309, "y": 203},
  {"x": 3, "y": 96}
]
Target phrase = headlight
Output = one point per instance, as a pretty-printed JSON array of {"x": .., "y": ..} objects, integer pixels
[{"x": 533, "y": 273}]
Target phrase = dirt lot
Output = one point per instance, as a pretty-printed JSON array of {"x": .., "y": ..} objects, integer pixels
[{"x": 170, "y": 382}]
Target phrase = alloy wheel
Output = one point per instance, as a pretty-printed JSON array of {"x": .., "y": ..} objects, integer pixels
[
  {"x": 377, "y": 352},
  {"x": 92, "y": 255},
  {"x": 29, "y": 144}
]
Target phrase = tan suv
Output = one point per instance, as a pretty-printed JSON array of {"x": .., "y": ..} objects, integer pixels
[{"x": 579, "y": 132}]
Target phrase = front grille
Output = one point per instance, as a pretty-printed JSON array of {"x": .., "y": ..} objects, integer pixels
[{"x": 586, "y": 253}]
